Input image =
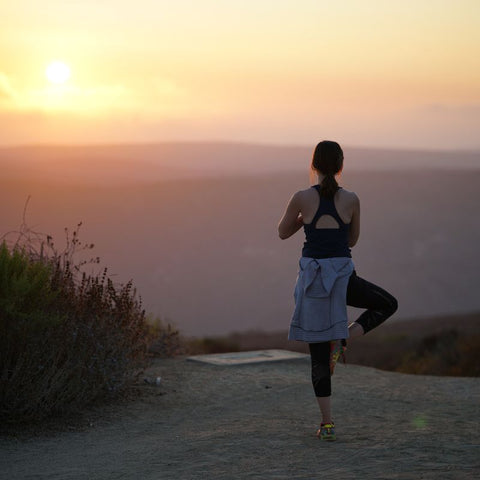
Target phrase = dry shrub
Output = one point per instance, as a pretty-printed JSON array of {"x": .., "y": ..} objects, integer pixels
[
  {"x": 164, "y": 340},
  {"x": 445, "y": 353},
  {"x": 66, "y": 338},
  {"x": 469, "y": 362},
  {"x": 209, "y": 345}
]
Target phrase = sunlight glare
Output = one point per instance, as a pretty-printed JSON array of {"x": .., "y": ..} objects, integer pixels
[{"x": 57, "y": 72}]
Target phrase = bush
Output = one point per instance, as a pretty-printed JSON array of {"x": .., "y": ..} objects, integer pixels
[
  {"x": 209, "y": 345},
  {"x": 66, "y": 338},
  {"x": 163, "y": 339},
  {"x": 444, "y": 353}
]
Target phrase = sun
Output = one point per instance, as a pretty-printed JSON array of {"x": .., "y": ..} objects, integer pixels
[{"x": 57, "y": 72}]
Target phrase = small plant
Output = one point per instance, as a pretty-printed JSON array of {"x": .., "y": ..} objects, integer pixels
[
  {"x": 212, "y": 345},
  {"x": 66, "y": 338},
  {"x": 164, "y": 340}
]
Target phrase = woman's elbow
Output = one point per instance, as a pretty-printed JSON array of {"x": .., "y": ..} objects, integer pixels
[
  {"x": 285, "y": 231},
  {"x": 352, "y": 241}
]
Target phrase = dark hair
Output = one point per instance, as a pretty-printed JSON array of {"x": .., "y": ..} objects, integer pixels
[{"x": 328, "y": 160}]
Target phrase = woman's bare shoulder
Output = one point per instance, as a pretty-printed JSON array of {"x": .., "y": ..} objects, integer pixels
[
  {"x": 349, "y": 196},
  {"x": 304, "y": 194}
]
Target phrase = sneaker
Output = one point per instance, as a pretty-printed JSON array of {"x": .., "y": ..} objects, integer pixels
[
  {"x": 327, "y": 432},
  {"x": 337, "y": 351}
]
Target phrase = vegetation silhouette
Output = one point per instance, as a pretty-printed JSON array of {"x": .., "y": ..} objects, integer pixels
[{"x": 67, "y": 338}]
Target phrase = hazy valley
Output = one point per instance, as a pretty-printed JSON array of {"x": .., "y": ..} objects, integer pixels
[{"x": 195, "y": 225}]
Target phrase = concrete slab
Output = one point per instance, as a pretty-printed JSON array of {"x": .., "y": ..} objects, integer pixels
[{"x": 242, "y": 358}]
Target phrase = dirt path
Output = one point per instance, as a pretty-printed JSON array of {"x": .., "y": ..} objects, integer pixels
[{"x": 258, "y": 421}]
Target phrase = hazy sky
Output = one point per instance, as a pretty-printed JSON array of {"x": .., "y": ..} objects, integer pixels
[{"x": 364, "y": 72}]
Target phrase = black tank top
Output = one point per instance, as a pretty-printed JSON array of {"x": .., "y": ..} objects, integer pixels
[{"x": 326, "y": 242}]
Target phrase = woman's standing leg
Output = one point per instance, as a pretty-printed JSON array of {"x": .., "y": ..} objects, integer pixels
[
  {"x": 321, "y": 379},
  {"x": 379, "y": 305}
]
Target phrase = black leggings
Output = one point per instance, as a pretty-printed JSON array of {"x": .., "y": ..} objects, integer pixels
[{"x": 361, "y": 294}]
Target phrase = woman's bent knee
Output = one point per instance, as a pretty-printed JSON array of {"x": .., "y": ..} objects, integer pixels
[{"x": 392, "y": 306}]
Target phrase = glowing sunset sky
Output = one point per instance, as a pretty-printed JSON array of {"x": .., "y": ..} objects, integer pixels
[{"x": 367, "y": 72}]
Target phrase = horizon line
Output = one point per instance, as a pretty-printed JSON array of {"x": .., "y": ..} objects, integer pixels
[{"x": 244, "y": 143}]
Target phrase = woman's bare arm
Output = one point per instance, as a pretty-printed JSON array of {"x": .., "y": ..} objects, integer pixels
[
  {"x": 292, "y": 220},
  {"x": 354, "y": 232}
]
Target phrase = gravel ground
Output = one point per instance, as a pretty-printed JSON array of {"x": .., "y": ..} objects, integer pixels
[{"x": 258, "y": 421}]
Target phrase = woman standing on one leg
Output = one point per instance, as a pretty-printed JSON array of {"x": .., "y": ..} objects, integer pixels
[{"x": 327, "y": 281}]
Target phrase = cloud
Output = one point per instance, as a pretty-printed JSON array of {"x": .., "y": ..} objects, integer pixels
[
  {"x": 6, "y": 90},
  {"x": 74, "y": 99}
]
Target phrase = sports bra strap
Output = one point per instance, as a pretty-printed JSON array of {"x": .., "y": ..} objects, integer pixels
[{"x": 326, "y": 207}]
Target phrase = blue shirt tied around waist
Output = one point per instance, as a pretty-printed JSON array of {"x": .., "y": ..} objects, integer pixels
[{"x": 320, "y": 313}]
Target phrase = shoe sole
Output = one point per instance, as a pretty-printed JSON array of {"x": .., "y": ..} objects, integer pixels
[{"x": 327, "y": 438}]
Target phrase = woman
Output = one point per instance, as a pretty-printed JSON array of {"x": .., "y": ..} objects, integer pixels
[{"x": 327, "y": 281}]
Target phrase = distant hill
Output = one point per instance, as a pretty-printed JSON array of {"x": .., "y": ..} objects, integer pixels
[{"x": 114, "y": 164}]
